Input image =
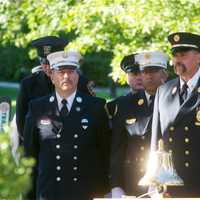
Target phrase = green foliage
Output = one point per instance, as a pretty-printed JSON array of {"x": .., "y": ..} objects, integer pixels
[
  {"x": 14, "y": 178},
  {"x": 119, "y": 27}
]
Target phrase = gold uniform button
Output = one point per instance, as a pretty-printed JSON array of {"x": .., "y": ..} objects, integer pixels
[
  {"x": 186, "y": 128},
  {"x": 187, "y": 140},
  {"x": 187, "y": 164},
  {"x": 170, "y": 139},
  {"x": 142, "y": 148},
  {"x": 187, "y": 152},
  {"x": 171, "y": 128}
]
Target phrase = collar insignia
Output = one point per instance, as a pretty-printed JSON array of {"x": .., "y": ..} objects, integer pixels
[
  {"x": 174, "y": 90},
  {"x": 79, "y": 99},
  {"x": 51, "y": 99}
]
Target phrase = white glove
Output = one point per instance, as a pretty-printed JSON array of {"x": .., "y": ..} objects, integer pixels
[{"x": 117, "y": 192}]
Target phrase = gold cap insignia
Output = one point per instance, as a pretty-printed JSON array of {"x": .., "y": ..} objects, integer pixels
[
  {"x": 176, "y": 38},
  {"x": 198, "y": 89},
  {"x": 47, "y": 50},
  {"x": 131, "y": 121},
  {"x": 147, "y": 56},
  {"x": 174, "y": 90},
  {"x": 140, "y": 102}
]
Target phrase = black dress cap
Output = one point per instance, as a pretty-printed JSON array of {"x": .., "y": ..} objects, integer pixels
[
  {"x": 128, "y": 64},
  {"x": 184, "y": 41},
  {"x": 48, "y": 44}
]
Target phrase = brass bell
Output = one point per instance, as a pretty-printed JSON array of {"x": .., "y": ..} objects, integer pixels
[{"x": 160, "y": 170}]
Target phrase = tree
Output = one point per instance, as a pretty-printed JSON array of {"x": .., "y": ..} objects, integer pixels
[
  {"x": 116, "y": 26},
  {"x": 14, "y": 177}
]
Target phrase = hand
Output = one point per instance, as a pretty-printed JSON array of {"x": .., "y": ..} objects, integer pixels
[{"x": 117, "y": 192}]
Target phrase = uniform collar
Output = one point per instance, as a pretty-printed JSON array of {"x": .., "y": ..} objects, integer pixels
[
  {"x": 192, "y": 82},
  {"x": 69, "y": 99}
]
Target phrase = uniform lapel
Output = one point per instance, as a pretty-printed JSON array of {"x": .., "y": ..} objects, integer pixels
[
  {"x": 78, "y": 104},
  {"x": 190, "y": 104},
  {"x": 174, "y": 100}
]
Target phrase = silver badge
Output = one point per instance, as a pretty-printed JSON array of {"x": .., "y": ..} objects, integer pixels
[
  {"x": 78, "y": 109},
  {"x": 84, "y": 121},
  {"x": 51, "y": 99},
  {"x": 79, "y": 99},
  {"x": 84, "y": 127}
]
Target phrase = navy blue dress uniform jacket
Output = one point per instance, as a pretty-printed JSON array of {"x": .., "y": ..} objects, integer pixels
[
  {"x": 179, "y": 126},
  {"x": 31, "y": 87},
  {"x": 72, "y": 154},
  {"x": 130, "y": 142}
]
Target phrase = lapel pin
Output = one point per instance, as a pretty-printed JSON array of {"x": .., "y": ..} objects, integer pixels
[
  {"x": 51, "y": 99},
  {"x": 140, "y": 102},
  {"x": 174, "y": 90},
  {"x": 79, "y": 99}
]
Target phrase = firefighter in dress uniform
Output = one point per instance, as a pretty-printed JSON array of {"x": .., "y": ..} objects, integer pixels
[
  {"x": 177, "y": 113},
  {"x": 67, "y": 133},
  {"x": 131, "y": 128},
  {"x": 37, "y": 84}
]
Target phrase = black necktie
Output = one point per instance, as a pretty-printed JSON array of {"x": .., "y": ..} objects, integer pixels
[
  {"x": 183, "y": 93},
  {"x": 151, "y": 103},
  {"x": 64, "y": 110}
]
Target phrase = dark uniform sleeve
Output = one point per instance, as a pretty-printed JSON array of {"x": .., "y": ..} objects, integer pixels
[
  {"x": 118, "y": 148},
  {"x": 31, "y": 148},
  {"x": 103, "y": 141},
  {"x": 21, "y": 110}
]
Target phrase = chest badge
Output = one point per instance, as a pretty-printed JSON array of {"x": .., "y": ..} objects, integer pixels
[
  {"x": 197, "y": 123},
  {"x": 45, "y": 121},
  {"x": 140, "y": 102},
  {"x": 131, "y": 121},
  {"x": 84, "y": 123}
]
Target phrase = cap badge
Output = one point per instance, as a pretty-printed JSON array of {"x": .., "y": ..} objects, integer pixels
[
  {"x": 51, "y": 99},
  {"x": 176, "y": 38},
  {"x": 131, "y": 121},
  {"x": 47, "y": 50},
  {"x": 174, "y": 90},
  {"x": 78, "y": 109},
  {"x": 79, "y": 99},
  {"x": 140, "y": 102},
  {"x": 198, "y": 89},
  {"x": 147, "y": 56}
]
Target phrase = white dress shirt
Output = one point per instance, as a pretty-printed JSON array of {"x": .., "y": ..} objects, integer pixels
[{"x": 69, "y": 99}]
